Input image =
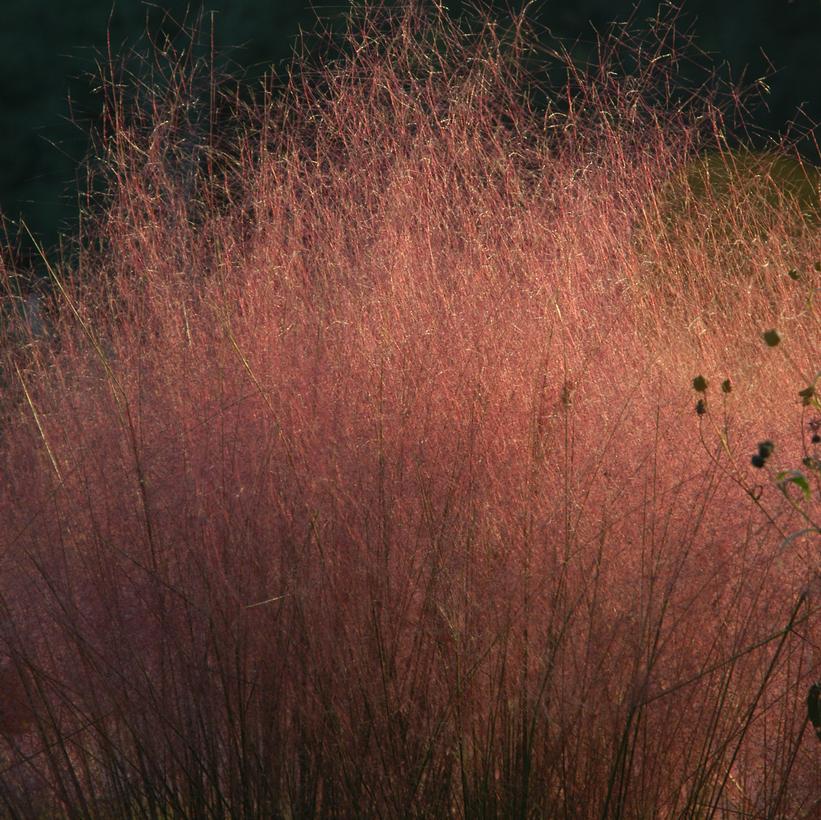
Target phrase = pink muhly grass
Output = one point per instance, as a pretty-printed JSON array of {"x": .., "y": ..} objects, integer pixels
[{"x": 358, "y": 472}]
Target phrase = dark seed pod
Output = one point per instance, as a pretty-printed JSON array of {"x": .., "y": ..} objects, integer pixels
[
  {"x": 765, "y": 448},
  {"x": 701, "y": 407},
  {"x": 814, "y": 707},
  {"x": 758, "y": 461},
  {"x": 771, "y": 338}
]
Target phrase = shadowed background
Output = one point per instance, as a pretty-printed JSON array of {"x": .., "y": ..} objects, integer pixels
[{"x": 50, "y": 56}]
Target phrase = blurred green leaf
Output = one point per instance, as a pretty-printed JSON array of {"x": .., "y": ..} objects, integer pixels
[{"x": 796, "y": 477}]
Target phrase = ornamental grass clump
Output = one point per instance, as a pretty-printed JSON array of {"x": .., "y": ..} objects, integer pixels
[{"x": 356, "y": 472}]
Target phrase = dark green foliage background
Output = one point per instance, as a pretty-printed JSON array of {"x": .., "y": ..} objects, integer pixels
[{"x": 49, "y": 53}]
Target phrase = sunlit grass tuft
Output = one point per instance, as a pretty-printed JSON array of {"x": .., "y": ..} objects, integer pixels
[{"x": 357, "y": 471}]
